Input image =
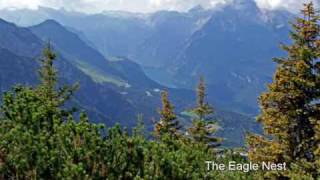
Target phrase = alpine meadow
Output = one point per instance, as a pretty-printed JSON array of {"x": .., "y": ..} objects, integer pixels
[{"x": 229, "y": 90}]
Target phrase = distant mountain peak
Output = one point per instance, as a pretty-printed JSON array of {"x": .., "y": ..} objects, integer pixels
[
  {"x": 196, "y": 9},
  {"x": 53, "y": 25},
  {"x": 51, "y": 22}
]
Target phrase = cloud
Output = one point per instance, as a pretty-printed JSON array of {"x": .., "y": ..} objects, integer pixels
[
  {"x": 100, "y": 5},
  {"x": 30, "y": 4},
  {"x": 183, "y": 4},
  {"x": 291, "y": 5},
  {"x": 92, "y": 6}
]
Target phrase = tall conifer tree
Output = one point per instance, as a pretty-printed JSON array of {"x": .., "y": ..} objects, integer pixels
[
  {"x": 48, "y": 91},
  {"x": 290, "y": 108},
  {"x": 203, "y": 128},
  {"x": 168, "y": 123},
  {"x": 29, "y": 125},
  {"x": 48, "y": 77}
]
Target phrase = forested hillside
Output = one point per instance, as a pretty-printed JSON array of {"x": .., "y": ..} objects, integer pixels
[{"x": 41, "y": 138}]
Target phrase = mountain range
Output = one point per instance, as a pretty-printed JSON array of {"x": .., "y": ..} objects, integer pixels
[
  {"x": 231, "y": 45},
  {"x": 123, "y": 60}
]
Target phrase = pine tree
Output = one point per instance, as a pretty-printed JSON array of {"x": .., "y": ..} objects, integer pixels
[
  {"x": 168, "y": 123},
  {"x": 139, "y": 129},
  {"x": 48, "y": 91},
  {"x": 47, "y": 72},
  {"x": 30, "y": 119},
  {"x": 203, "y": 128},
  {"x": 290, "y": 108},
  {"x": 48, "y": 77}
]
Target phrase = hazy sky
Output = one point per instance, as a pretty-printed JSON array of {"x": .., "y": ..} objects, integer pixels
[{"x": 93, "y": 6}]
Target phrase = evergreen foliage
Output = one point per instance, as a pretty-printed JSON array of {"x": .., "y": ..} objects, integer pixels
[
  {"x": 168, "y": 123},
  {"x": 203, "y": 127},
  {"x": 40, "y": 139},
  {"x": 290, "y": 108}
]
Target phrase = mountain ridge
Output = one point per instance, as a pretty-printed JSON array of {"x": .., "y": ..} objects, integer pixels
[{"x": 114, "y": 104}]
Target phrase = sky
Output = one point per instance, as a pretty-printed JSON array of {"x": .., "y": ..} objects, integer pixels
[{"x": 96, "y": 6}]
